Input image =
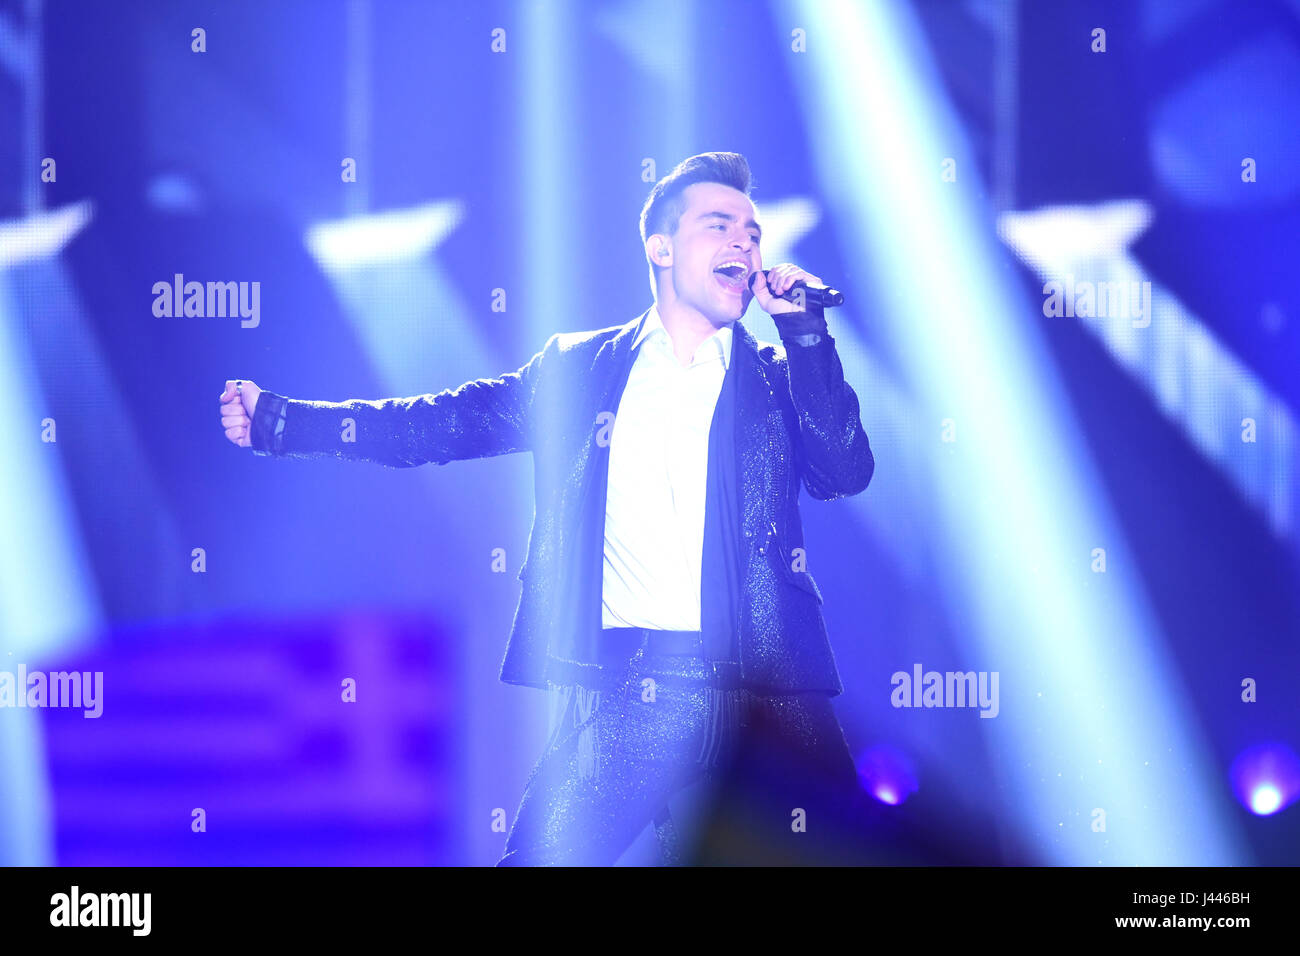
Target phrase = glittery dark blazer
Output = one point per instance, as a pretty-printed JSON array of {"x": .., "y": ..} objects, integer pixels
[{"x": 796, "y": 422}]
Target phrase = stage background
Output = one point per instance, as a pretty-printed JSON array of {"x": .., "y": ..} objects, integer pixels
[{"x": 1101, "y": 508}]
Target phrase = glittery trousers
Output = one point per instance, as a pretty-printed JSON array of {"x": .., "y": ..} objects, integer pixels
[{"x": 613, "y": 759}]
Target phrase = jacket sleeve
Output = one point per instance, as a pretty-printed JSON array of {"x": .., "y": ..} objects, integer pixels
[
  {"x": 479, "y": 419},
  {"x": 835, "y": 459}
]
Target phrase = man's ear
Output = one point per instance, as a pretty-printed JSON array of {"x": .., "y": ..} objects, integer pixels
[{"x": 659, "y": 250}]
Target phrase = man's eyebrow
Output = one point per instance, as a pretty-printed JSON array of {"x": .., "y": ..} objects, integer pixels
[{"x": 718, "y": 214}]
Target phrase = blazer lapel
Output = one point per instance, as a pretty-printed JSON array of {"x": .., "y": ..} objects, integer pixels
[
  {"x": 607, "y": 377},
  {"x": 612, "y": 358},
  {"x": 754, "y": 402}
]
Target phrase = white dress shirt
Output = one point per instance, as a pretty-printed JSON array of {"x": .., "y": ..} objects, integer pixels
[{"x": 658, "y": 472}]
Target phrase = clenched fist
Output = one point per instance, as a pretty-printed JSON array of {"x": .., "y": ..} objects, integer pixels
[{"x": 238, "y": 403}]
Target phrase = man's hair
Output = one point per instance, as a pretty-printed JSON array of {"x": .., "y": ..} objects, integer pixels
[{"x": 663, "y": 209}]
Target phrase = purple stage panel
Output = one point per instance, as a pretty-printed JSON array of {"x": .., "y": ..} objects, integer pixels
[{"x": 244, "y": 725}]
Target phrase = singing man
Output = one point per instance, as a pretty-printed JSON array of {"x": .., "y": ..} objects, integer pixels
[{"x": 665, "y": 596}]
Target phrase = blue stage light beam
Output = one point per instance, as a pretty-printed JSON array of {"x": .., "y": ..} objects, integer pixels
[
  {"x": 1099, "y": 755},
  {"x": 550, "y": 199},
  {"x": 887, "y": 512},
  {"x": 659, "y": 37},
  {"x": 1226, "y": 411},
  {"x": 421, "y": 334},
  {"x": 48, "y": 602}
]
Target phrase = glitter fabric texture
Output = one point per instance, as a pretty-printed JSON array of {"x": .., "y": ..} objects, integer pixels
[
  {"x": 797, "y": 423},
  {"x": 646, "y": 747}
]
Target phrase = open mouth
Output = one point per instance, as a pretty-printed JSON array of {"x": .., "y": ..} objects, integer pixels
[{"x": 732, "y": 275}]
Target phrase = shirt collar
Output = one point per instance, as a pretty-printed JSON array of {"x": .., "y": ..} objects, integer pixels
[{"x": 721, "y": 339}]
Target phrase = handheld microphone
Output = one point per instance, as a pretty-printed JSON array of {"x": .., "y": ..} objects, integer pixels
[{"x": 814, "y": 297}]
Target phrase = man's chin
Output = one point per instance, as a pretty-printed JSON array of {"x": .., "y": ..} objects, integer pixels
[{"x": 731, "y": 313}]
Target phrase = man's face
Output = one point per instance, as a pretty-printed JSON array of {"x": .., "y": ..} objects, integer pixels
[{"x": 714, "y": 252}]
